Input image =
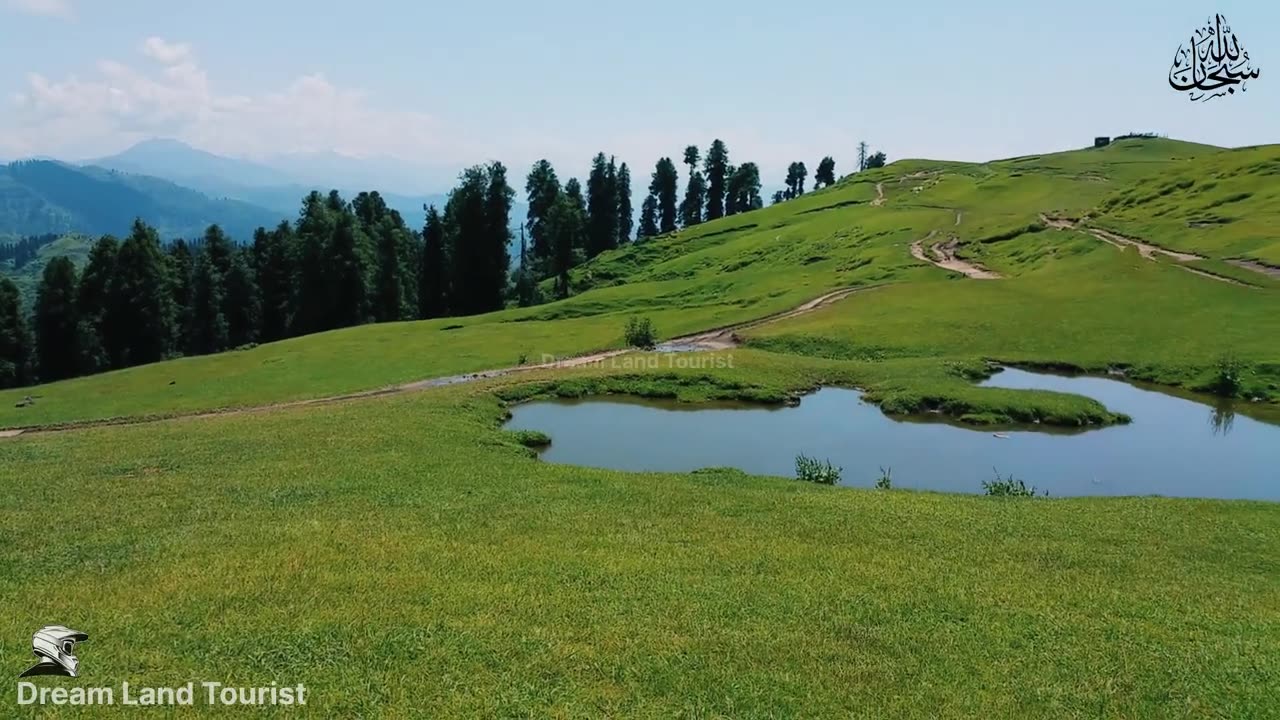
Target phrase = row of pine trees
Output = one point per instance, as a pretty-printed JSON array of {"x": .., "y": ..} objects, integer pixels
[{"x": 344, "y": 263}]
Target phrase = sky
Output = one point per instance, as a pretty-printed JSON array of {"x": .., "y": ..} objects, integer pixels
[{"x": 440, "y": 86}]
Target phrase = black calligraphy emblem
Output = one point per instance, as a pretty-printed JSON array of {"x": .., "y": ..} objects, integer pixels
[{"x": 1214, "y": 65}]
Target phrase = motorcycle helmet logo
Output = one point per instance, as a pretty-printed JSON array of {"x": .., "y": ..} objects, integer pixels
[{"x": 55, "y": 645}]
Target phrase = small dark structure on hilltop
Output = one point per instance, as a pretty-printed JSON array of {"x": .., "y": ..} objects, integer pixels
[{"x": 1101, "y": 141}]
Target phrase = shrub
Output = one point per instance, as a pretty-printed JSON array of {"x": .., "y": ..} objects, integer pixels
[
  {"x": 1228, "y": 376},
  {"x": 885, "y": 481},
  {"x": 531, "y": 438},
  {"x": 817, "y": 471},
  {"x": 1008, "y": 487},
  {"x": 639, "y": 332}
]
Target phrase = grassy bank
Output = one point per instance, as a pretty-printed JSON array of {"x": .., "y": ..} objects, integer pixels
[{"x": 405, "y": 557}]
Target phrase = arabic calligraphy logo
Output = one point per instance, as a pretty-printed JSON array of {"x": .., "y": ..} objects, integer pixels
[
  {"x": 1214, "y": 65},
  {"x": 55, "y": 645}
]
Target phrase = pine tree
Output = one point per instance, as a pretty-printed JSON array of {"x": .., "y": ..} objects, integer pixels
[
  {"x": 91, "y": 301},
  {"x": 243, "y": 300},
  {"x": 744, "y": 190},
  {"x": 219, "y": 248},
  {"x": 181, "y": 264},
  {"x": 15, "y": 342},
  {"x": 625, "y": 218},
  {"x": 311, "y": 308},
  {"x": 348, "y": 272},
  {"x": 648, "y": 217},
  {"x": 139, "y": 301},
  {"x": 273, "y": 253},
  {"x": 566, "y": 227},
  {"x": 664, "y": 189},
  {"x": 497, "y": 238},
  {"x": 477, "y": 238},
  {"x": 876, "y": 161},
  {"x": 57, "y": 331},
  {"x": 862, "y": 156},
  {"x": 602, "y": 206},
  {"x": 525, "y": 286},
  {"x": 542, "y": 187},
  {"x": 717, "y": 169},
  {"x": 395, "y": 294},
  {"x": 826, "y": 174},
  {"x": 433, "y": 271},
  {"x": 695, "y": 192},
  {"x": 208, "y": 331},
  {"x": 573, "y": 191}
]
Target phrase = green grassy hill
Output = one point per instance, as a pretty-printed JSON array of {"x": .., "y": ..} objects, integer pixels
[
  {"x": 27, "y": 278},
  {"x": 1066, "y": 297},
  {"x": 403, "y": 556}
]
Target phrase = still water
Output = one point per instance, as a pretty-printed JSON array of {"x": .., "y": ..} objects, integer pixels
[{"x": 1174, "y": 447}]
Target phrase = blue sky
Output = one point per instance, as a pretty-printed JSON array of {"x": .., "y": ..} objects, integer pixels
[{"x": 439, "y": 86}]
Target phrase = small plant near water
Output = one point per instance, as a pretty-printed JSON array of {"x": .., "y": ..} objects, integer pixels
[
  {"x": 1229, "y": 376},
  {"x": 639, "y": 332},
  {"x": 817, "y": 471},
  {"x": 1008, "y": 487},
  {"x": 885, "y": 481}
]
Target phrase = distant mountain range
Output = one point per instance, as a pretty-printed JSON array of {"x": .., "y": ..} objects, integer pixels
[
  {"x": 46, "y": 196},
  {"x": 182, "y": 190},
  {"x": 281, "y": 183}
]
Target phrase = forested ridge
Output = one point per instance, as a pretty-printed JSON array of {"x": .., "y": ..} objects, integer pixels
[{"x": 349, "y": 262}]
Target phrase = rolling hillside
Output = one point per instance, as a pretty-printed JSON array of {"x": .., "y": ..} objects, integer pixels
[{"x": 865, "y": 232}]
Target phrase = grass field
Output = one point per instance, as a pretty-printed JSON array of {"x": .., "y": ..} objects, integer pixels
[{"x": 404, "y": 557}]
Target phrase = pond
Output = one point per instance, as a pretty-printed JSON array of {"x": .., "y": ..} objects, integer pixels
[{"x": 1174, "y": 446}]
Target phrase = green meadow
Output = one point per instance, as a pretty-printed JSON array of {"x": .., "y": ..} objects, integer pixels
[{"x": 404, "y": 557}]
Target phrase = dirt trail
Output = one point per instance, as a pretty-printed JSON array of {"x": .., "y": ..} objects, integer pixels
[
  {"x": 1146, "y": 250},
  {"x": 722, "y": 338},
  {"x": 1219, "y": 278},
  {"x": 879, "y": 195},
  {"x": 1268, "y": 270},
  {"x": 944, "y": 256}
]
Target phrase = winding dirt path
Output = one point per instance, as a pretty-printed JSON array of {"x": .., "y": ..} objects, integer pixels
[
  {"x": 1268, "y": 270},
  {"x": 721, "y": 338},
  {"x": 879, "y": 195},
  {"x": 1145, "y": 249},
  {"x": 943, "y": 255}
]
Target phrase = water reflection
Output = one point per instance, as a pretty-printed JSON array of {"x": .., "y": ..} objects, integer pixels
[{"x": 1222, "y": 418}]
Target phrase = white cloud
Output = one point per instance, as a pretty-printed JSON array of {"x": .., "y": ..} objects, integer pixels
[
  {"x": 50, "y": 8},
  {"x": 165, "y": 52},
  {"x": 118, "y": 103}
]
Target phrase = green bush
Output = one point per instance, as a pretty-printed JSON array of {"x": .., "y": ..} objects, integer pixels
[
  {"x": 885, "y": 481},
  {"x": 1229, "y": 376},
  {"x": 639, "y": 332},
  {"x": 817, "y": 471},
  {"x": 1008, "y": 487}
]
